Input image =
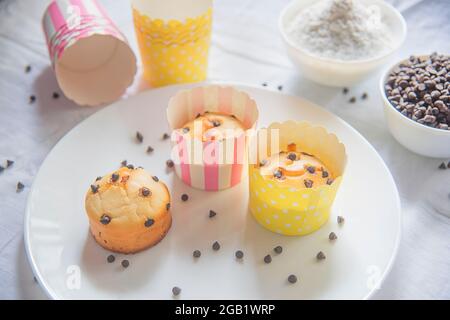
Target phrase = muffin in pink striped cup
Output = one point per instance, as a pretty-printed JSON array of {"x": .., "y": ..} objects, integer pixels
[{"x": 210, "y": 126}]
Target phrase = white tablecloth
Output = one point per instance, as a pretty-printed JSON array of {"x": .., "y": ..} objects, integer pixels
[{"x": 246, "y": 48}]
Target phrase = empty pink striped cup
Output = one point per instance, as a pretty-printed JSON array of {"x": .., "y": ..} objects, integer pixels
[
  {"x": 211, "y": 165},
  {"x": 90, "y": 56}
]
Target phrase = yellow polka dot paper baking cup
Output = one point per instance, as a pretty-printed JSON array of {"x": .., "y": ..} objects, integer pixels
[
  {"x": 295, "y": 211},
  {"x": 174, "y": 51}
]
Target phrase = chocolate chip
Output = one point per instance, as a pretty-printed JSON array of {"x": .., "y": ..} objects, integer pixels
[
  {"x": 311, "y": 169},
  {"x": 168, "y": 206},
  {"x": 332, "y": 236},
  {"x": 94, "y": 188},
  {"x": 155, "y": 178},
  {"x": 124, "y": 163},
  {"x": 165, "y": 136},
  {"x": 330, "y": 181},
  {"x": 111, "y": 258},
  {"x": 9, "y": 163},
  {"x": 321, "y": 256},
  {"x": 292, "y": 278},
  {"x": 216, "y": 123},
  {"x": 28, "y": 69},
  {"x": 139, "y": 137},
  {"x": 239, "y": 254},
  {"x": 149, "y": 222},
  {"x": 448, "y": 165},
  {"x": 20, "y": 186},
  {"x": 212, "y": 213},
  {"x": 216, "y": 246},
  {"x": 198, "y": 116},
  {"x": 184, "y": 197},
  {"x": 264, "y": 84},
  {"x": 145, "y": 192},
  {"x": 176, "y": 291},
  {"x": 280, "y": 88},
  {"x": 352, "y": 100},
  {"x": 150, "y": 149},
  {"x": 263, "y": 162},
  {"x": 125, "y": 263},
  {"x": 98, "y": 178},
  {"x": 169, "y": 163},
  {"x": 2, "y": 169},
  {"x": 345, "y": 90},
  {"x": 32, "y": 99},
  {"x": 308, "y": 183},
  {"x": 130, "y": 166},
  {"x": 292, "y": 156},
  {"x": 442, "y": 166},
  {"x": 364, "y": 96},
  {"x": 340, "y": 219},
  {"x": 324, "y": 174},
  {"x": 278, "y": 249},
  {"x": 55, "y": 95},
  {"x": 186, "y": 130},
  {"x": 105, "y": 219},
  {"x": 115, "y": 177},
  {"x": 268, "y": 259},
  {"x": 196, "y": 254},
  {"x": 278, "y": 174}
]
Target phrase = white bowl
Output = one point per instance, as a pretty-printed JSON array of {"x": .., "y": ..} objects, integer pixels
[
  {"x": 418, "y": 138},
  {"x": 334, "y": 72}
]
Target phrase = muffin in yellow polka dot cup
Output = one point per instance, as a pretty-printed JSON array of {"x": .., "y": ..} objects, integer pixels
[
  {"x": 174, "y": 39},
  {"x": 295, "y": 172}
]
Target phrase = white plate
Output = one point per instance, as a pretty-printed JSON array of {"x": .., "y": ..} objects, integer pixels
[{"x": 59, "y": 244}]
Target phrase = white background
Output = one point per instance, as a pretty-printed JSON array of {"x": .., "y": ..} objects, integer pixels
[{"x": 246, "y": 48}]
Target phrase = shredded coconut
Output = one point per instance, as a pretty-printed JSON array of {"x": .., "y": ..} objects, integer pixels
[{"x": 341, "y": 29}]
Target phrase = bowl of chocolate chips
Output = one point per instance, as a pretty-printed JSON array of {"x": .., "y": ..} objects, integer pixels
[{"x": 416, "y": 95}]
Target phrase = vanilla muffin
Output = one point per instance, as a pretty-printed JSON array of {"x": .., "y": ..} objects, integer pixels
[
  {"x": 212, "y": 126},
  {"x": 293, "y": 168},
  {"x": 128, "y": 210}
]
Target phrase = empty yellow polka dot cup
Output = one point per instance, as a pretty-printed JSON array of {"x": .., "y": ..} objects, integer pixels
[
  {"x": 174, "y": 39},
  {"x": 294, "y": 174}
]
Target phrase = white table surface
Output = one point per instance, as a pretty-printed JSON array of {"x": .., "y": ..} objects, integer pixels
[{"x": 246, "y": 48}]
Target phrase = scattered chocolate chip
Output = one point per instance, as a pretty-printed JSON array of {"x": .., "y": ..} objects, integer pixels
[
  {"x": 139, "y": 137},
  {"x": 20, "y": 187},
  {"x": 364, "y": 96},
  {"x": 345, "y": 90},
  {"x": 32, "y": 99},
  {"x": 145, "y": 192},
  {"x": 130, "y": 166},
  {"x": 149, "y": 222},
  {"x": 155, "y": 178},
  {"x": 198, "y": 116},
  {"x": 280, "y": 88},
  {"x": 278, "y": 174},
  {"x": 292, "y": 278},
  {"x": 263, "y": 162},
  {"x": 105, "y": 219},
  {"x": 196, "y": 254},
  {"x": 332, "y": 236},
  {"x": 321, "y": 256},
  {"x": 216, "y": 246},
  {"x": 165, "y": 136},
  {"x": 212, "y": 213},
  {"x": 352, "y": 100},
  {"x": 124, "y": 163},
  {"x": 308, "y": 183},
  {"x": 94, "y": 188},
  {"x": 292, "y": 156},
  {"x": 169, "y": 163},
  {"x": 186, "y": 130},
  {"x": 111, "y": 258},
  {"x": 150, "y": 149},
  {"x": 176, "y": 291},
  {"x": 98, "y": 178},
  {"x": 168, "y": 206},
  {"x": 184, "y": 197},
  {"x": 442, "y": 166},
  {"x": 115, "y": 177},
  {"x": 9, "y": 163},
  {"x": 340, "y": 219},
  {"x": 264, "y": 84},
  {"x": 239, "y": 254},
  {"x": 329, "y": 181},
  {"x": 216, "y": 123},
  {"x": 125, "y": 263},
  {"x": 324, "y": 174},
  {"x": 311, "y": 169},
  {"x": 55, "y": 95},
  {"x": 1, "y": 169},
  {"x": 278, "y": 249},
  {"x": 448, "y": 165},
  {"x": 268, "y": 259},
  {"x": 28, "y": 69}
]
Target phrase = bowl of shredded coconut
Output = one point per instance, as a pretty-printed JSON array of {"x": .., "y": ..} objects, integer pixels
[{"x": 340, "y": 42}]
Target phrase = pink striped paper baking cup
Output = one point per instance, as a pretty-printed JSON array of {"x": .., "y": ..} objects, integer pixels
[
  {"x": 210, "y": 165},
  {"x": 91, "y": 58}
]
